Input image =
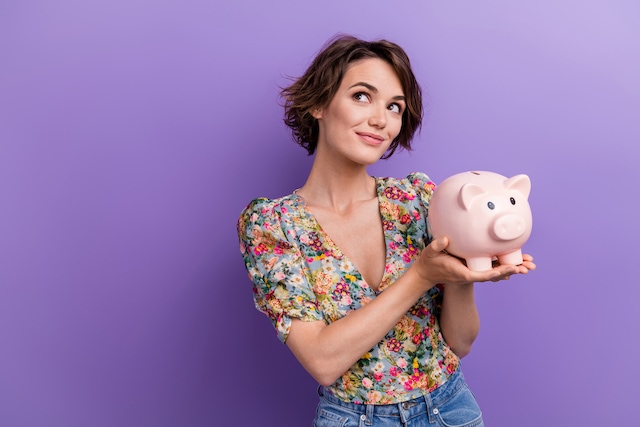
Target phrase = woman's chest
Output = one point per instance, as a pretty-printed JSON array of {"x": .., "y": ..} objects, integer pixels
[{"x": 358, "y": 236}]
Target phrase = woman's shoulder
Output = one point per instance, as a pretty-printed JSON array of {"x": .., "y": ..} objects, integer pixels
[
  {"x": 267, "y": 204},
  {"x": 415, "y": 183},
  {"x": 263, "y": 209}
]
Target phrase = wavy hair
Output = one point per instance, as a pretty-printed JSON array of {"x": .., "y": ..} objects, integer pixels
[{"x": 320, "y": 82}]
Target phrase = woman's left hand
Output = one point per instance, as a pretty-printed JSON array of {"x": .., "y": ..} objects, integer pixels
[{"x": 526, "y": 266}]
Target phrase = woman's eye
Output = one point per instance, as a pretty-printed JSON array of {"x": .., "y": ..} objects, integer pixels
[
  {"x": 361, "y": 97},
  {"x": 395, "y": 108}
]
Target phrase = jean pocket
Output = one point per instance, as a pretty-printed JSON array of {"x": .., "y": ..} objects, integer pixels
[
  {"x": 334, "y": 416},
  {"x": 461, "y": 410}
]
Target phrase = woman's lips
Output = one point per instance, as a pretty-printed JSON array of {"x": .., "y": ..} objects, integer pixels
[{"x": 371, "y": 138}]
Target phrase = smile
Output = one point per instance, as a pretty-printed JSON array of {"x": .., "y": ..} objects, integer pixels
[{"x": 371, "y": 138}]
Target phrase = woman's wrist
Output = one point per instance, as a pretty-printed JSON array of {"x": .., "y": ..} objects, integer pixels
[{"x": 421, "y": 276}]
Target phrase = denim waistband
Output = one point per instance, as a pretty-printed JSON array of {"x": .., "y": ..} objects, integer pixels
[{"x": 430, "y": 400}]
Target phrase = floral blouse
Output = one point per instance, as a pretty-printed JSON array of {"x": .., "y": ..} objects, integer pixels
[{"x": 298, "y": 272}]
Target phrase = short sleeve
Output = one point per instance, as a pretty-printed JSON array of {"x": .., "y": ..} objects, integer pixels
[
  {"x": 423, "y": 186},
  {"x": 276, "y": 266}
]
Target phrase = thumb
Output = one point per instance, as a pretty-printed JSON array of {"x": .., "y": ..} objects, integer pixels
[{"x": 438, "y": 245}]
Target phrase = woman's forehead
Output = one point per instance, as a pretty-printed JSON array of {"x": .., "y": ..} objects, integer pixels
[{"x": 372, "y": 71}]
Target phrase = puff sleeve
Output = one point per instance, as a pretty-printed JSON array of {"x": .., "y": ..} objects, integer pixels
[
  {"x": 275, "y": 265},
  {"x": 423, "y": 187}
]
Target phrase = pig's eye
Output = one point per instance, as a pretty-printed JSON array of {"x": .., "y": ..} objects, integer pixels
[
  {"x": 513, "y": 201},
  {"x": 491, "y": 206}
]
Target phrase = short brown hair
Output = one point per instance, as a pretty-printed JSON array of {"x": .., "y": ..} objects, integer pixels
[{"x": 318, "y": 85}]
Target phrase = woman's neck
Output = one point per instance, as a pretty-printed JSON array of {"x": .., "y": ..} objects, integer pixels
[{"x": 333, "y": 187}]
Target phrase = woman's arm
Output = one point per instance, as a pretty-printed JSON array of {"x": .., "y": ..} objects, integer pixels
[
  {"x": 328, "y": 351},
  {"x": 459, "y": 320}
]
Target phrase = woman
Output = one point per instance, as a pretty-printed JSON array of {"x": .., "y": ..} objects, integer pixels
[{"x": 344, "y": 266}]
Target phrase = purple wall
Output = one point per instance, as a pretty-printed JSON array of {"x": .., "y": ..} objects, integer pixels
[{"x": 133, "y": 132}]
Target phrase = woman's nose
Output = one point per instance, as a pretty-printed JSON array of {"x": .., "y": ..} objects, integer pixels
[{"x": 378, "y": 117}]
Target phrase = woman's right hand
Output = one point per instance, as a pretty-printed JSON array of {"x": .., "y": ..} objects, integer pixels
[{"x": 436, "y": 266}]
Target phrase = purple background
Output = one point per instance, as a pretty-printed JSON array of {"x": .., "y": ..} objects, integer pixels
[{"x": 133, "y": 132}]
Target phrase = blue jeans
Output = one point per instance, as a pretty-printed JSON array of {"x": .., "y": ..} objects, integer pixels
[{"x": 450, "y": 405}]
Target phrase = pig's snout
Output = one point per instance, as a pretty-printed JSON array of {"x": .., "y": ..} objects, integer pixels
[{"x": 509, "y": 227}]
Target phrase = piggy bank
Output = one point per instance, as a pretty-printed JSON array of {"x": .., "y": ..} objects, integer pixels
[{"x": 485, "y": 215}]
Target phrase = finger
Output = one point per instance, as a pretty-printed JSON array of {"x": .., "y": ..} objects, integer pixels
[
  {"x": 438, "y": 245},
  {"x": 504, "y": 272},
  {"x": 495, "y": 274},
  {"x": 501, "y": 277},
  {"x": 526, "y": 266}
]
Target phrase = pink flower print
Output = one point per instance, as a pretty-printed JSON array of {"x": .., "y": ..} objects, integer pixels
[
  {"x": 374, "y": 396},
  {"x": 417, "y": 338},
  {"x": 394, "y": 193},
  {"x": 451, "y": 368},
  {"x": 394, "y": 371},
  {"x": 260, "y": 249},
  {"x": 405, "y": 219},
  {"x": 394, "y": 345},
  {"x": 378, "y": 376},
  {"x": 341, "y": 289},
  {"x": 281, "y": 248},
  {"x": 387, "y": 225},
  {"x": 346, "y": 300},
  {"x": 366, "y": 382},
  {"x": 418, "y": 311},
  {"x": 315, "y": 242}
]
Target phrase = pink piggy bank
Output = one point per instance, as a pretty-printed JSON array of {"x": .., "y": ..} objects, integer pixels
[{"x": 485, "y": 215}]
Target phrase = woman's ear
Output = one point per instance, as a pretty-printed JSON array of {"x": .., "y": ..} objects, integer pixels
[{"x": 316, "y": 112}]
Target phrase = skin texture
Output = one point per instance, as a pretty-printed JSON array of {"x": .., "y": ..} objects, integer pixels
[{"x": 355, "y": 130}]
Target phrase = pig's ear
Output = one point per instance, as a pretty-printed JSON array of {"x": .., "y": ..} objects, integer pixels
[
  {"x": 468, "y": 192},
  {"x": 521, "y": 183}
]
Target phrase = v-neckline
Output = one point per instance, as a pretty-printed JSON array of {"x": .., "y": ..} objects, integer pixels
[{"x": 325, "y": 237}]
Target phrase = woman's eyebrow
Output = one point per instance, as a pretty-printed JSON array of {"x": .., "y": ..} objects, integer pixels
[
  {"x": 375, "y": 90},
  {"x": 367, "y": 85}
]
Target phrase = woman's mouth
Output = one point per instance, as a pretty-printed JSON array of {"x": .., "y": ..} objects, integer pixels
[{"x": 371, "y": 138}]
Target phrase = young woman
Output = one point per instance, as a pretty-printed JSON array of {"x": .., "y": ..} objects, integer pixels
[{"x": 377, "y": 312}]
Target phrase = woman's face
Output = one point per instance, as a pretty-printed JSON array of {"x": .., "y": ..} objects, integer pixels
[{"x": 365, "y": 114}]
